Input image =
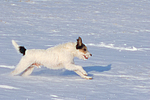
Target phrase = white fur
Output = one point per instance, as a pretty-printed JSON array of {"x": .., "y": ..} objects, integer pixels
[
  {"x": 58, "y": 57},
  {"x": 15, "y": 45}
]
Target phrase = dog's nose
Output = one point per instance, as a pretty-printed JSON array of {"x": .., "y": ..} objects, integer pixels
[{"x": 90, "y": 54}]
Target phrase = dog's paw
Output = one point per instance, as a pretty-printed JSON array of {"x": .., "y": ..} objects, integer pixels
[
  {"x": 84, "y": 73},
  {"x": 13, "y": 73},
  {"x": 88, "y": 77}
]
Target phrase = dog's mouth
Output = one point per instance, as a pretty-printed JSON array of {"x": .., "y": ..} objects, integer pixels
[{"x": 85, "y": 56}]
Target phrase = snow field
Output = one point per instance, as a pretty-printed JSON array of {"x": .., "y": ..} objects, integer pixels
[{"x": 116, "y": 33}]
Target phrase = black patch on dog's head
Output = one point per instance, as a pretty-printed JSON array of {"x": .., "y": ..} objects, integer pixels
[
  {"x": 79, "y": 45},
  {"x": 22, "y": 50}
]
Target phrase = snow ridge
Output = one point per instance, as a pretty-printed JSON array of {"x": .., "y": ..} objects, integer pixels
[
  {"x": 8, "y": 87},
  {"x": 111, "y": 46},
  {"x": 10, "y": 67}
]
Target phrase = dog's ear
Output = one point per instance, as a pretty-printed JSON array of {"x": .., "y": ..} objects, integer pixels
[{"x": 79, "y": 43}]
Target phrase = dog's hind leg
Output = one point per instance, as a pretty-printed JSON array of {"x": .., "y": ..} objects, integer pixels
[
  {"x": 83, "y": 76},
  {"x": 28, "y": 71},
  {"x": 22, "y": 66}
]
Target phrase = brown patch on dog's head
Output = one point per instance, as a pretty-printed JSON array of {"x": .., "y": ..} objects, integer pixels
[{"x": 83, "y": 49}]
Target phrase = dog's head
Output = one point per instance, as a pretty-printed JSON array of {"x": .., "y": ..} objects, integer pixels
[{"x": 82, "y": 51}]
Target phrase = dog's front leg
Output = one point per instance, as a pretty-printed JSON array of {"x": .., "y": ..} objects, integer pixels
[
  {"x": 83, "y": 76},
  {"x": 74, "y": 67}
]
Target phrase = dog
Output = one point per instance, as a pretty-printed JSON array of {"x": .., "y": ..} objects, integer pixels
[{"x": 57, "y": 57}]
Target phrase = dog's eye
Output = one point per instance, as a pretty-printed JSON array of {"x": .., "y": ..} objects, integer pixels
[{"x": 84, "y": 49}]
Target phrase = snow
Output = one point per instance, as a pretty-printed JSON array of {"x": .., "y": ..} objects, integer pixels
[
  {"x": 7, "y": 87},
  {"x": 115, "y": 31},
  {"x": 111, "y": 46}
]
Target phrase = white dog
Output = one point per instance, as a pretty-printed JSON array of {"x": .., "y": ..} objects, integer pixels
[{"x": 58, "y": 57}]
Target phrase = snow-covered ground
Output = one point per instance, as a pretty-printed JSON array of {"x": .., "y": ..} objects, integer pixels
[{"x": 117, "y": 33}]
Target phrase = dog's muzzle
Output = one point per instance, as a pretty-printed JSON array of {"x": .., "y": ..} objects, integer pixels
[{"x": 86, "y": 57}]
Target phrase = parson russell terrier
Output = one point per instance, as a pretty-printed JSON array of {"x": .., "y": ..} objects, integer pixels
[{"x": 58, "y": 57}]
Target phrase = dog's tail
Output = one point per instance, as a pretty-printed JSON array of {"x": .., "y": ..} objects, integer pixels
[{"x": 20, "y": 49}]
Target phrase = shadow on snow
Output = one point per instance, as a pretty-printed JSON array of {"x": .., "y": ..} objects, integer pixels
[{"x": 88, "y": 69}]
